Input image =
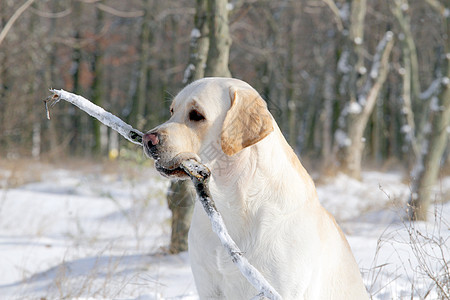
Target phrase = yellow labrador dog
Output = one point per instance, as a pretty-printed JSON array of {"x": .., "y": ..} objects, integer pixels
[{"x": 267, "y": 199}]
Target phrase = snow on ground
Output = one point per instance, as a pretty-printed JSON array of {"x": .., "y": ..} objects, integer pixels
[
  {"x": 96, "y": 230},
  {"x": 393, "y": 254}
]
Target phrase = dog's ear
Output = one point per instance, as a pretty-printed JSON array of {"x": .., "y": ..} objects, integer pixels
[{"x": 247, "y": 121}]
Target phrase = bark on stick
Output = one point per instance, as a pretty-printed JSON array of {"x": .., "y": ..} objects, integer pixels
[{"x": 107, "y": 118}]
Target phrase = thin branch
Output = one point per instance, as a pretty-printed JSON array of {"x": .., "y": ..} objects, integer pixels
[
  {"x": 13, "y": 19},
  {"x": 438, "y": 6},
  {"x": 118, "y": 13},
  {"x": 337, "y": 15},
  {"x": 89, "y": 1},
  {"x": 432, "y": 90},
  {"x": 83, "y": 42},
  {"x": 174, "y": 11},
  {"x": 51, "y": 15}
]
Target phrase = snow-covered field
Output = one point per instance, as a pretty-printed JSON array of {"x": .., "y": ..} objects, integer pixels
[{"x": 100, "y": 230}]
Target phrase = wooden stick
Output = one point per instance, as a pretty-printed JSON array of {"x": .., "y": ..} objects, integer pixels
[
  {"x": 107, "y": 118},
  {"x": 199, "y": 175}
]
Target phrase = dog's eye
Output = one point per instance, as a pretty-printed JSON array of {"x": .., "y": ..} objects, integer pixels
[
  {"x": 195, "y": 116},
  {"x": 171, "y": 111}
]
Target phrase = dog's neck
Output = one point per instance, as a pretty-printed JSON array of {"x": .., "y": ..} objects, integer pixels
[{"x": 262, "y": 172}]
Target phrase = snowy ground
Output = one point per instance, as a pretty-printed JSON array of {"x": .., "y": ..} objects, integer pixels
[{"x": 96, "y": 230}]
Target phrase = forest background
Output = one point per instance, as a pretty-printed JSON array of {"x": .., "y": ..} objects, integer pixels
[{"x": 350, "y": 82}]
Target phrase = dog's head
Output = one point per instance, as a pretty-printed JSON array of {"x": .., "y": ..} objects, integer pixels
[{"x": 211, "y": 117}]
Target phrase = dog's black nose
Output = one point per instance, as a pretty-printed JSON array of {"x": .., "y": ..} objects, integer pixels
[{"x": 150, "y": 139}]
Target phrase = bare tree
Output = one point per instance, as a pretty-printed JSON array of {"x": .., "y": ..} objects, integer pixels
[
  {"x": 427, "y": 113},
  {"x": 75, "y": 70},
  {"x": 219, "y": 39},
  {"x": 97, "y": 84},
  {"x": 426, "y": 170},
  {"x": 362, "y": 87},
  {"x": 210, "y": 36},
  {"x": 181, "y": 195},
  {"x": 410, "y": 75},
  {"x": 140, "y": 96},
  {"x": 199, "y": 44},
  {"x": 360, "y": 110}
]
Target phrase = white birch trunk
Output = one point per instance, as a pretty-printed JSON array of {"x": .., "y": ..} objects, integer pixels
[
  {"x": 426, "y": 171},
  {"x": 360, "y": 111}
]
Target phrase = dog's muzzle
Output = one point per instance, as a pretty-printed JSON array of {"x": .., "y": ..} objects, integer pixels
[{"x": 168, "y": 167}]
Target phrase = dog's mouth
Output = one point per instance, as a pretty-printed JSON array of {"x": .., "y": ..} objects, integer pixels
[
  {"x": 176, "y": 172},
  {"x": 172, "y": 169}
]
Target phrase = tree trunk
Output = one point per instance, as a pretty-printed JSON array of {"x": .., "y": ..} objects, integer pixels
[
  {"x": 36, "y": 140},
  {"x": 181, "y": 198},
  {"x": 433, "y": 150},
  {"x": 219, "y": 39},
  {"x": 326, "y": 118},
  {"x": 199, "y": 44},
  {"x": 208, "y": 33},
  {"x": 426, "y": 171},
  {"x": 411, "y": 86},
  {"x": 97, "y": 87},
  {"x": 293, "y": 90},
  {"x": 328, "y": 64},
  {"x": 355, "y": 43},
  {"x": 75, "y": 119},
  {"x": 348, "y": 137},
  {"x": 426, "y": 179},
  {"x": 4, "y": 76},
  {"x": 50, "y": 77},
  {"x": 140, "y": 96},
  {"x": 359, "y": 112}
]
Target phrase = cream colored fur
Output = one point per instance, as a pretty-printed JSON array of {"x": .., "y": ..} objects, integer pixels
[{"x": 266, "y": 197}]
